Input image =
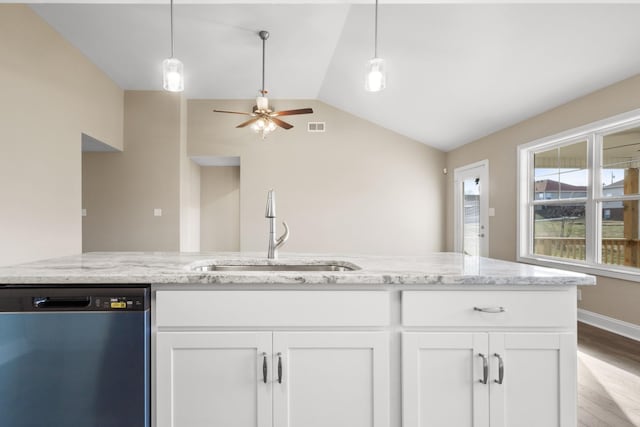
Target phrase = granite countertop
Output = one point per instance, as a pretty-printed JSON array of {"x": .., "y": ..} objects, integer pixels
[{"x": 176, "y": 268}]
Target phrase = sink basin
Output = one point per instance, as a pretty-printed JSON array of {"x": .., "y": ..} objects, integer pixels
[{"x": 276, "y": 267}]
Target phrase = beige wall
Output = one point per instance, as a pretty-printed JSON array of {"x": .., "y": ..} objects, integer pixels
[
  {"x": 611, "y": 297},
  {"x": 189, "y": 191},
  {"x": 220, "y": 208},
  {"x": 358, "y": 188},
  {"x": 121, "y": 190},
  {"x": 51, "y": 94}
]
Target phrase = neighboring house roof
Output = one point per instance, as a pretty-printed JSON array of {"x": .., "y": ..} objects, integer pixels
[
  {"x": 551, "y": 185},
  {"x": 617, "y": 184}
]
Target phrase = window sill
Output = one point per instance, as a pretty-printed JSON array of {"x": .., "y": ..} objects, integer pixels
[{"x": 615, "y": 272}]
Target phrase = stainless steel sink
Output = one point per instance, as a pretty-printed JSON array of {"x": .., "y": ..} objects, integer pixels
[{"x": 275, "y": 267}]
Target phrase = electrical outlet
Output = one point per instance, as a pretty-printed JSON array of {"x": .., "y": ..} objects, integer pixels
[
  {"x": 84, "y": 212},
  {"x": 157, "y": 212},
  {"x": 579, "y": 295}
]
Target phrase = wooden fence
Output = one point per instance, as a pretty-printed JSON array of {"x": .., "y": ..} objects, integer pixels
[{"x": 567, "y": 247}]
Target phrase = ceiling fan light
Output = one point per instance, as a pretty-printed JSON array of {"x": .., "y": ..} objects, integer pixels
[
  {"x": 172, "y": 75},
  {"x": 376, "y": 78}
]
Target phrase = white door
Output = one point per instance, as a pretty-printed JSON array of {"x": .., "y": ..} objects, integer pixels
[
  {"x": 445, "y": 379},
  {"x": 471, "y": 205},
  {"x": 209, "y": 379},
  {"x": 538, "y": 382},
  {"x": 337, "y": 379}
]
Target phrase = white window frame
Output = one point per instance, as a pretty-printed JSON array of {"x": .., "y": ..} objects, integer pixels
[{"x": 592, "y": 133}]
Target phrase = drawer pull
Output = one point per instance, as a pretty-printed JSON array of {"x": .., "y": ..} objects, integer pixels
[
  {"x": 264, "y": 367},
  {"x": 485, "y": 368},
  {"x": 279, "y": 368},
  {"x": 500, "y": 369},
  {"x": 490, "y": 309}
]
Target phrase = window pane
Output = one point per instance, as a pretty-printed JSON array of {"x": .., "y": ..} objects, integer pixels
[
  {"x": 471, "y": 241},
  {"x": 561, "y": 173},
  {"x": 559, "y": 231},
  {"x": 620, "y": 163},
  {"x": 620, "y": 223}
]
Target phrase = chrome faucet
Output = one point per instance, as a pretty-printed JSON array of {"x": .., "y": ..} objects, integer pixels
[{"x": 270, "y": 214}]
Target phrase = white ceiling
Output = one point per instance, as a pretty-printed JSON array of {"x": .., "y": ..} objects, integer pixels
[{"x": 456, "y": 72}]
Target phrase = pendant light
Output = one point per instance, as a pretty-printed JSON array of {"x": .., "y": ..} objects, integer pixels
[
  {"x": 172, "y": 68},
  {"x": 376, "y": 77}
]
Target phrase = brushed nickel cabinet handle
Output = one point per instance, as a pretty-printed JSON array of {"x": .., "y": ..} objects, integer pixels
[
  {"x": 485, "y": 368},
  {"x": 500, "y": 369},
  {"x": 490, "y": 309},
  {"x": 279, "y": 368},
  {"x": 264, "y": 368}
]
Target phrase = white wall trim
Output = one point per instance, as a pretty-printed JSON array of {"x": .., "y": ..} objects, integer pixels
[{"x": 610, "y": 324}]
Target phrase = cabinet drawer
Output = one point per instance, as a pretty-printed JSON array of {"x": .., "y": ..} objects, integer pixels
[
  {"x": 272, "y": 308},
  {"x": 521, "y": 308}
]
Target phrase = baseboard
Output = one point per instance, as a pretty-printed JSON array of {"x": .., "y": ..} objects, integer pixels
[{"x": 610, "y": 324}]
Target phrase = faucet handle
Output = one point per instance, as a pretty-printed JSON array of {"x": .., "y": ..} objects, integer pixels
[{"x": 282, "y": 239}]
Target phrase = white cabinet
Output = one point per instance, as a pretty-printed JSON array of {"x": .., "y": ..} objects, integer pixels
[
  {"x": 338, "y": 379},
  {"x": 365, "y": 357},
  {"x": 441, "y": 375},
  {"x": 295, "y": 379},
  {"x": 539, "y": 385},
  {"x": 212, "y": 379},
  {"x": 211, "y": 371},
  {"x": 526, "y": 339},
  {"x": 529, "y": 379}
]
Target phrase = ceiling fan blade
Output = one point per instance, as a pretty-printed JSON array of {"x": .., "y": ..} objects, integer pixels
[
  {"x": 233, "y": 112},
  {"x": 248, "y": 122},
  {"x": 282, "y": 124},
  {"x": 292, "y": 112}
]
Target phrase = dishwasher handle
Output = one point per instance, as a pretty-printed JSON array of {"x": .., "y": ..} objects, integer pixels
[{"x": 61, "y": 302}]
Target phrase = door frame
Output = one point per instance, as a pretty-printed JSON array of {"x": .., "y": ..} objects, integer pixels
[{"x": 458, "y": 174}]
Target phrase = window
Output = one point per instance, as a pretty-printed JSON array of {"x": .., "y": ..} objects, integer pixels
[{"x": 579, "y": 198}]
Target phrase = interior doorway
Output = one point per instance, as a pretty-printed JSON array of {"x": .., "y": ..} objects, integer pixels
[
  {"x": 220, "y": 208},
  {"x": 471, "y": 206}
]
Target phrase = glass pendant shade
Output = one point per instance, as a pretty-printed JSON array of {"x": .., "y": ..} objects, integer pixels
[
  {"x": 262, "y": 103},
  {"x": 172, "y": 75},
  {"x": 376, "y": 78}
]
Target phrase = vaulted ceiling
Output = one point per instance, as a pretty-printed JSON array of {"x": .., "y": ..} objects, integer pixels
[{"x": 456, "y": 71}]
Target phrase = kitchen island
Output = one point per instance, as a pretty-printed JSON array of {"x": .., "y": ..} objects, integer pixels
[{"x": 435, "y": 340}]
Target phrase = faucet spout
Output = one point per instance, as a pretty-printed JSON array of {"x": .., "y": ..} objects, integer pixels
[{"x": 270, "y": 214}]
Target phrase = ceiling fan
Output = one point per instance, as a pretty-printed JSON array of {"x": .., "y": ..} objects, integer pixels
[{"x": 263, "y": 119}]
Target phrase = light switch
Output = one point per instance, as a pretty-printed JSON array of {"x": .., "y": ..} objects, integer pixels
[
  {"x": 84, "y": 212},
  {"x": 157, "y": 212},
  {"x": 492, "y": 211}
]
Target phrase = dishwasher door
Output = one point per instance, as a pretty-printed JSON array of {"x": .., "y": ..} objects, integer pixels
[{"x": 74, "y": 357}]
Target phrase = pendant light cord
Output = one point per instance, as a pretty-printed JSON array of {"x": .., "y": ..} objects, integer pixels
[
  {"x": 375, "y": 38},
  {"x": 171, "y": 8},
  {"x": 264, "y": 42}
]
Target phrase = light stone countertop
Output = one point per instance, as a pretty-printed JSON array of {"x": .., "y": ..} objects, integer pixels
[{"x": 175, "y": 268}]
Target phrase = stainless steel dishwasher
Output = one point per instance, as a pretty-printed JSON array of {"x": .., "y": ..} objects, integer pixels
[{"x": 74, "y": 356}]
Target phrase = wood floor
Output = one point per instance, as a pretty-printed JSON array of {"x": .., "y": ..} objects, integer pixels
[{"x": 608, "y": 379}]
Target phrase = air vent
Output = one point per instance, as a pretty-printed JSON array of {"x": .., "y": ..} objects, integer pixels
[{"x": 316, "y": 126}]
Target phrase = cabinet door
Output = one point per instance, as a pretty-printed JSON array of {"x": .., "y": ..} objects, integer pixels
[
  {"x": 539, "y": 380},
  {"x": 213, "y": 379},
  {"x": 331, "y": 379},
  {"x": 443, "y": 380}
]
